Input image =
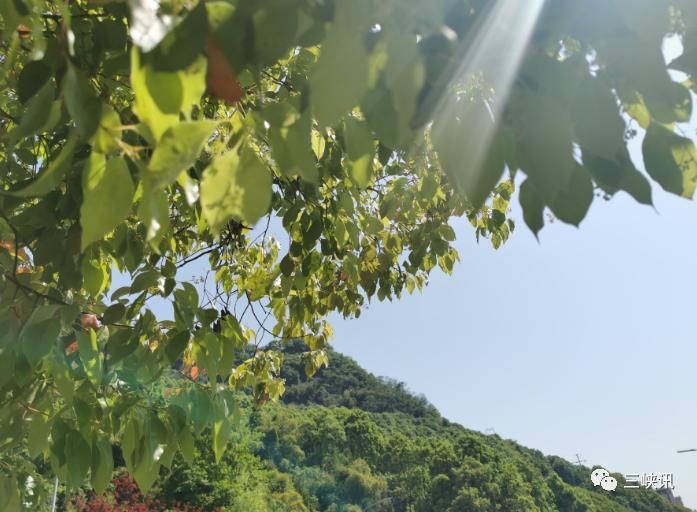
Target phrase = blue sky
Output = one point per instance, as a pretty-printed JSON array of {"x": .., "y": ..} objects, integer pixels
[{"x": 582, "y": 343}]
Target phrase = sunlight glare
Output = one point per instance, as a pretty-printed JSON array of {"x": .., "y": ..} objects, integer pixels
[{"x": 497, "y": 48}]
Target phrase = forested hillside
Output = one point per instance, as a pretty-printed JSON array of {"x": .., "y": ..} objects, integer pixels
[{"x": 348, "y": 441}]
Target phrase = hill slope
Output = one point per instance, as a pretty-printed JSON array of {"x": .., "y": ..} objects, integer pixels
[{"x": 347, "y": 441}]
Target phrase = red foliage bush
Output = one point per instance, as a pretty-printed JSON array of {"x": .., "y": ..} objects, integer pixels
[{"x": 126, "y": 497}]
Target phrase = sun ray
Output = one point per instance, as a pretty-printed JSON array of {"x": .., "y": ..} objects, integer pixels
[{"x": 496, "y": 48}]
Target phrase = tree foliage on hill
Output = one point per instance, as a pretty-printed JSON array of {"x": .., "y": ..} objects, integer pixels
[
  {"x": 345, "y": 383},
  {"x": 139, "y": 138},
  {"x": 377, "y": 456}
]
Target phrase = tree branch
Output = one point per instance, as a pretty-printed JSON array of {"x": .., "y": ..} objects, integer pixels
[
  {"x": 9, "y": 116},
  {"x": 28, "y": 289}
]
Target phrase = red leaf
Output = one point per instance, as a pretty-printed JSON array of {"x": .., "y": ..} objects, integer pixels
[{"x": 220, "y": 77}]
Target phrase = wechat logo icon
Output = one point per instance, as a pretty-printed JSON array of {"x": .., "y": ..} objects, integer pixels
[{"x": 601, "y": 477}]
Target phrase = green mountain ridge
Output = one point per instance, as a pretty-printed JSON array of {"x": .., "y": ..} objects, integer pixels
[
  {"x": 348, "y": 441},
  {"x": 394, "y": 409}
]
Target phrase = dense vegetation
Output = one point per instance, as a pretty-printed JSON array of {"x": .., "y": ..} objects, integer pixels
[
  {"x": 140, "y": 136},
  {"x": 349, "y": 441}
]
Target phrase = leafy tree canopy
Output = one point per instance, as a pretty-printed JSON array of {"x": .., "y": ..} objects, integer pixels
[{"x": 141, "y": 136}]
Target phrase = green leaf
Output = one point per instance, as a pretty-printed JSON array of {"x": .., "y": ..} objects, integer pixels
[
  {"x": 318, "y": 144},
  {"x": 235, "y": 186},
  {"x": 148, "y": 451},
  {"x": 381, "y": 115},
  {"x": 36, "y": 113},
  {"x": 40, "y": 333},
  {"x": 287, "y": 265},
  {"x": 571, "y": 205},
  {"x": 32, "y": 79},
  {"x": 278, "y": 22},
  {"x": 231, "y": 31},
  {"x": 156, "y": 110},
  {"x": 185, "y": 305},
  {"x": 121, "y": 344},
  {"x": 618, "y": 174},
  {"x": 113, "y": 313},
  {"x": 474, "y": 161},
  {"x": 291, "y": 144},
  {"x": 227, "y": 358},
  {"x": 38, "y": 430},
  {"x": 178, "y": 149},
  {"x": 78, "y": 456},
  {"x": 176, "y": 345},
  {"x": 202, "y": 410},
  {"x": 161, "y": 96},
  {"x": 107, "y": 197},
  {"x": 671, "y": 160},
  {"x": 94, "y": 276},
  {"x": 81, "y": 101},
  {"x": 91, "y": 356},
  {"x": 206, "y": 352},
  {"x": 108, "y": 132},
  {"x": 102, "y": 464},
  {"x": 340, "y": 76},
  {"x": 10, "y": 499},
  {"x": 598, "y": 125},
  {"x": 154, "y": 213},
  {"x": 61, "y": 376},
  {"x": 49, "y": 179},
  {"x": 360, "y": 151},
  {"x": 183, "y": 44},
  {"x": 533, "y": 207},
  {"x": 687, "y": 62},
  {"x": 671, "y": 102},
  {"x": 636, "y": 185},
  {"x": 111, "y": 35},
  {"x": 145, "y": 280},
  {"x": 129, "y": 441},
  {"x": 404, "y": 77},
  {"x": 222, "y": 430},
  {"x": 545, "y": 144},
  {"x": 635, "y": 107},
  {"x": 186, "y": 444}
]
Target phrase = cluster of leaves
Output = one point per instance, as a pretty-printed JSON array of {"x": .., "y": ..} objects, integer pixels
[
  {"x": 137, "y": 142},
  {"x": 139, "y": 137}
]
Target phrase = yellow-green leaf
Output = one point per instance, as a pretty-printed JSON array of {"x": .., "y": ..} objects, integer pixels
[
  {"x": 360, "y": 150},
  {"x": 341, "y": 75},
  {"x": 178, "y": 150},
  {"x": 102, "y": 464},
  {"x": 107, "y": 197},
  {"x": 235, "y": 186},
  {"x": 671, "y": 160}
]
